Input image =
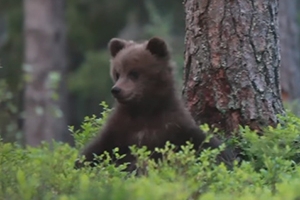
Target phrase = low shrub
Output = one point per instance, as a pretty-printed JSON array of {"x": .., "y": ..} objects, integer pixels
[{"x": 270, "y": 170}]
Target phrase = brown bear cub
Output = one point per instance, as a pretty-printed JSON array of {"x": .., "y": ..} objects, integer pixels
[{"x": 148, "y": 110}]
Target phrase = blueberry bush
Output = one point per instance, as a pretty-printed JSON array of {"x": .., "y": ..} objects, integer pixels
[{"x": 269, "y": 170}]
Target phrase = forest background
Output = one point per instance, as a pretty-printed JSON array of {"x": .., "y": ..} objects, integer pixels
[{"x": 89, "y": 25}]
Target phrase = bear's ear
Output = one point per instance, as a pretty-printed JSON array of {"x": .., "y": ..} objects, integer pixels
[
  {"x": 157, "y": 47},
  {"x": 115, "y": 45}
]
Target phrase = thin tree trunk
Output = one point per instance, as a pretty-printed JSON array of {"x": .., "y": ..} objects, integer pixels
[
  {"x": 290, "y": 49},
  {"x": 231, "y": 74},
  {"x": 45, "y": 66}
]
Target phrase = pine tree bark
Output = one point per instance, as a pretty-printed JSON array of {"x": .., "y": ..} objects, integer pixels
[
  {"x": 290, "y": 50},
  {"x": 231, "y": 74},
  {"x": 45, "y": 66}
]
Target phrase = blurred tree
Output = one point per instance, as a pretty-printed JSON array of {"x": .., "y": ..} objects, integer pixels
[
  {"x": 290, "y": 49},
  {"x": 45, "y": 66},
  {"x": 232, "y": 63}
]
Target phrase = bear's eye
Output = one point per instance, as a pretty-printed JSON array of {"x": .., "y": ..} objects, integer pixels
[
  {"x": 134, "y": 75},
  {"x": 117, "y": 76}
]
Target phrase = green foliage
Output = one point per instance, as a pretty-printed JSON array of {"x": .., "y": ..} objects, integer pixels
[
  {"x": 286, "y": 147},
  {"x": 11, "y": 49},
  {"x": 155, "y": 27},
  {"x": 92, "y": 23},
  {"x": 90, "y": 127},
  {"x": 46, "y": 172},
  {"x": 96, "y": 69},
  {"x": 293, "y": 106},
  {"x": 167, "y": 31},
  {"x": 9, "y": 113}
]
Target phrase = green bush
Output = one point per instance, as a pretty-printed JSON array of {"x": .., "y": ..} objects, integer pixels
[{"x": 46, "y": 172}]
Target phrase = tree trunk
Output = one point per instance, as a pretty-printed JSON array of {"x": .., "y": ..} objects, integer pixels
[
  {"x": 231, "y": 74},
  {"x": 45, "y": 66},
  {"x": 290, "y": 50}
]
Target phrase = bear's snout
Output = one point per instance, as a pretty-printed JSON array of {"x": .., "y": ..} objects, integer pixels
[{"x": 115, "y": 91}]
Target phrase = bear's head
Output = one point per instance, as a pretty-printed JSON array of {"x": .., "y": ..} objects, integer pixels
[{"x": 142, "y": 72}]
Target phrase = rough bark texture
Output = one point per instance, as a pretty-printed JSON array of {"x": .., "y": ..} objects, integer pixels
[
  {"x": 232, "y": 61},
  {"x": 290, "y": 50},
  {"x": 45, "y": 58}
]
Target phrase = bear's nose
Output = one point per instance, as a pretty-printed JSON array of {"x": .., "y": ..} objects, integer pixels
[{"x": 115, "y": 90}]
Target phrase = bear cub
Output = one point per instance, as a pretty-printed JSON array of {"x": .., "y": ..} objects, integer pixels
[{"x": 148, "y": 111}]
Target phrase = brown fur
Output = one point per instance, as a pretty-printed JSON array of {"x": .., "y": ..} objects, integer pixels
[{"x": 148, "y": 110}]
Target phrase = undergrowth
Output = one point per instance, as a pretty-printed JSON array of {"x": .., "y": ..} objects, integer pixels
[{"x": 271, "y": 170}]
